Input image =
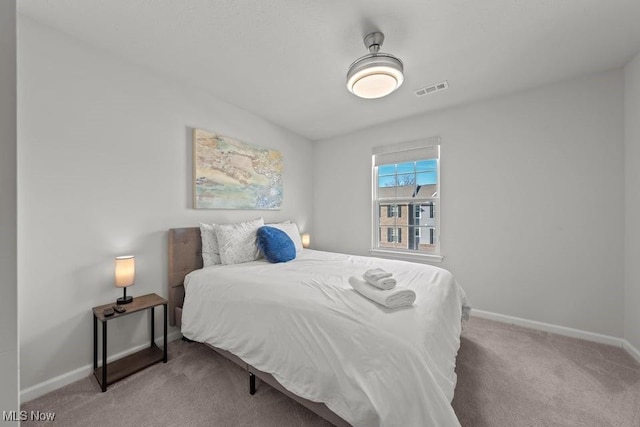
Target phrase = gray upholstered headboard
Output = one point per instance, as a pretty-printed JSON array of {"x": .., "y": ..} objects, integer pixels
[{"x": 185, "y": 255}]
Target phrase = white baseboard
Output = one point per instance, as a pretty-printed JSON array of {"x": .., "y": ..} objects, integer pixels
[
  {"x": 631, "y": 350},
  {"x": 548, "y": 327},
  {"x": 82, "y": 372}
]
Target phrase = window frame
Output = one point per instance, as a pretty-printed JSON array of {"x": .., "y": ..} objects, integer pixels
[{"x": 407, "y": 254}]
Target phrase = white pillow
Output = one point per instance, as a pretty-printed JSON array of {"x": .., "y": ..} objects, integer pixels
[
  {"x": 210, "y": 252},
  {"x": 237, "y": 242},
  {"x": 292, "y": 231}
]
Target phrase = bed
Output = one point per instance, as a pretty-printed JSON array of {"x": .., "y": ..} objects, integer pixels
[{"x": 301, "y": 328}]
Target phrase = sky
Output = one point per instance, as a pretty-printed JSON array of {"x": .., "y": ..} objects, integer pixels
[{"x": 422, "y": 172}]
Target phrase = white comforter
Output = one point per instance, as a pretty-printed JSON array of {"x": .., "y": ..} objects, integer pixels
[{"x": 303, "y": 323}]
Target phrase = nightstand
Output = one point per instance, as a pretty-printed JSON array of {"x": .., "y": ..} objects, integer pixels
[{"x": 109, "y": 373}]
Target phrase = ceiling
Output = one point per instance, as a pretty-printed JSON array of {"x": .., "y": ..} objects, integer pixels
[{"x": 286, "y": 60}]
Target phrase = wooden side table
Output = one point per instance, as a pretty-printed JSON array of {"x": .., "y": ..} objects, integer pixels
[{"x": 109, "y": 373}]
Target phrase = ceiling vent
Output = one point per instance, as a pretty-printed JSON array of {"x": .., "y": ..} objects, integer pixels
[{"x": 432, "y": 89}]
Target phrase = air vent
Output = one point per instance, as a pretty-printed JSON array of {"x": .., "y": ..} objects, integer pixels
[{"x": 432, "y": 89}]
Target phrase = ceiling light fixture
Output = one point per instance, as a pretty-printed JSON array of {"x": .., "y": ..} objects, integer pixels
[{"x": 377, "y": 74}]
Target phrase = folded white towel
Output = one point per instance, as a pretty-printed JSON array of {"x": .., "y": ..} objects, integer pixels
[
  {"x": 385, "y": 283},
  {"x": 376, "y": 274},
  {"x": 395, "y": 298}
]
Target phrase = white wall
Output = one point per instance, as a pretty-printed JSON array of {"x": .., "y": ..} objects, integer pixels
[
  {"x": 104, "y": 163},
  {"x": 632, "y": 203},
  {"x": 8, "y": 210},
  {"x": 532, "y": 199}
]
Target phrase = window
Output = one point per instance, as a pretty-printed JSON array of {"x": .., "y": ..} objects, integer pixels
[
  {"x": 394, "y": 235},
  {"x": 391, "y": 235},
  {"x": 406, "y": 200},
  {"x": 393, "y": 211}
]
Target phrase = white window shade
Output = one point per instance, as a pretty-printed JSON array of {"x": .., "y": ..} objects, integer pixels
[{"x": 407, "y": 152}]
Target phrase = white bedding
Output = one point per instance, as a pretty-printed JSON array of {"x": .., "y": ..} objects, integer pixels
[{"x": 303, "y": 323}]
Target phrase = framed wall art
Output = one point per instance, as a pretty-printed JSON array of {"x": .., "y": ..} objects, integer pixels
[{"x": 230, "y": 174}]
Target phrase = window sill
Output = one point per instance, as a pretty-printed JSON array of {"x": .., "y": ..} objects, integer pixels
[{"x": 406, "y": 256}]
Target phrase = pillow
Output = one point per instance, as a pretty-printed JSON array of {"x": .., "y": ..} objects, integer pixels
[
  {"x": 292, "y": 231},
  {"x": 275, "y": 244},
  {"x": 237, "y": 242},
  {"x": 210, "y": 252}
]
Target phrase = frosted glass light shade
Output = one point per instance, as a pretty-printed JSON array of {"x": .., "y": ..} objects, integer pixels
[
  {"x": 375, "y": 86},
  {"x": 306, "y": 240},
  {"x": 125, "y": 271},
  {"x": 374, "y": 76}
]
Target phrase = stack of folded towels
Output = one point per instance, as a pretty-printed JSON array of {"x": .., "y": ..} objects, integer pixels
[
  {"x": 379, "y": 278},
  {"x": 379, "y": 286}
]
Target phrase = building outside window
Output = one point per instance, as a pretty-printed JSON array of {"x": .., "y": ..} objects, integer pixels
[{"x": 406, "y": 200}]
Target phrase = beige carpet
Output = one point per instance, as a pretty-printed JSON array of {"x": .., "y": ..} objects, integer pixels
[
  {"x": 512, "y": 376},
  {"x": 507, "y": 376}
]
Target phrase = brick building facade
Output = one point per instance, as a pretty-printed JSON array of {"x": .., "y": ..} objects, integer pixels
[{"x": 407, "y": 225}]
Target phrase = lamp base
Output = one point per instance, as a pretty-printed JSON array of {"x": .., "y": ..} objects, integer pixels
[{"x": 124, "y": 300}]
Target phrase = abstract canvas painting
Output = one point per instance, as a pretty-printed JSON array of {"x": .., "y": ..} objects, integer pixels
[{"x": 230, "y": 174}]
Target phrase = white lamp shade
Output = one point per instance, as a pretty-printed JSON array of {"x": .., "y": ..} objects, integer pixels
[
  {"x": 125, "y": 271},
  {"x": 306, "y": 240}
]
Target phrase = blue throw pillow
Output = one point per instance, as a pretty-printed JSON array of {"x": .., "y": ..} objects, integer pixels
[{"x": 276, "y": 245}]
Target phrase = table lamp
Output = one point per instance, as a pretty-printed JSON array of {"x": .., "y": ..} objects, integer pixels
[
  {"x": 306, "y": 240},
  {"x": 125, "y": 276}
]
